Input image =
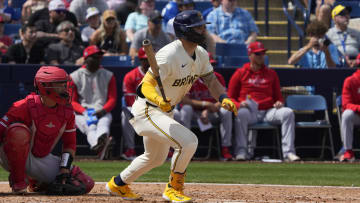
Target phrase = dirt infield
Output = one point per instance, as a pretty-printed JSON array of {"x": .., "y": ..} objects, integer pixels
[{"x": 206, "y": 193}]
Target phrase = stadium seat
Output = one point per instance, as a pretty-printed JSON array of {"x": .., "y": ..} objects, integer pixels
[
  {"x": 313, "y": 103},
  {"x": 11, "y": 29},
  {"x": 224, "y": 50},
  {"x": 119, "y": 61},
  {"x": 238, "y": 61}
]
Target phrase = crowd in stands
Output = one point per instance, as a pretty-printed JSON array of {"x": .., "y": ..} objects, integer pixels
[{"x": 84, "y": 32}]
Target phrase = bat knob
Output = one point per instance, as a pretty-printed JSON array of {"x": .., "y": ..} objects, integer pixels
[{"x": 146, "y": 42}]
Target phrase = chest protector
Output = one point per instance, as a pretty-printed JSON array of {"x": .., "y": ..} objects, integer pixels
[{"x": 49, "y": 124}]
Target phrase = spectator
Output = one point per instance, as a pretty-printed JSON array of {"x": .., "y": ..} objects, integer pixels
[
  {"x": 316, "y": 53},
  {"x": 30, "y": 134},
  {"x": 153, "y": 32},
  {"x": 215, "y": 3},
  {"x": 94, "y": 95},
  {"x": 351, "y": 109},
  {"x": 170, "y": 11},
  {"x": 182, "y": 6},
  {"x": 255, "y": 89},
  {"x": 5, "y": 41},
  {"x": 32, "y": 6},
  {"x": 66, "y": 51},
  {"x": 47, "y": 21},
  {"x": 79, "y": 8},
  {"x": 7, "y": 13},
  {"x": 114, "y": 4},
  {"x": 28, "y": 50},
  {"x": 110, "y": 37},
  {"x": 231, "y": 24},
  {"x": 131, "y": 81},
  {"x": 123, "y": 10},
  {"x": 138, "y": 19},
  {"x": 199, "y": 104},
  {"x": 347, "y": 40},
  {"x": 93, "y": 21},
  {"x": 323, "y": 11}
]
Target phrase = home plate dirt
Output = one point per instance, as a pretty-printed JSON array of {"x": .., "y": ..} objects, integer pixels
[{"x": 205, "y": 193}]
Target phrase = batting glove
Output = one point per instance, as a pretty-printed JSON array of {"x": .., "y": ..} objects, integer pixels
[
  {"x": 229, "y": 105},
  {"x": 163, "y": 105}
]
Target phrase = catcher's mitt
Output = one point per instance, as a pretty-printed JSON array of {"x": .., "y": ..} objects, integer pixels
[{"x": 72, "y": 186}]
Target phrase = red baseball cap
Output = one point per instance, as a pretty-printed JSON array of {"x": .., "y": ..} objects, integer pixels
[
  {"x": 142, "y": 54},
  {"x": 90, "y": 50},
  {"x": 358, "y": 60},
  {"x": 255, "y": 47}
]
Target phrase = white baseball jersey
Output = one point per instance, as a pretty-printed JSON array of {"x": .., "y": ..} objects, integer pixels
[{"x": 178, "y": 71}]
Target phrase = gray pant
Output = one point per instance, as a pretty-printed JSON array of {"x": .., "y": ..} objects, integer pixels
[
  {"x": 348, "y": 120},
  {"x": 43, "y": 170},
  {"x": 187, "y": 114},
  {"x": 94, "y": 131},
  {"x": 284, "y": 116}
]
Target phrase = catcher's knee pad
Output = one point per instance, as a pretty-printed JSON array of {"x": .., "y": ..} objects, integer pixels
[
  {"x": 81, "y": 176},
  {"x": 18, "y": 134}
]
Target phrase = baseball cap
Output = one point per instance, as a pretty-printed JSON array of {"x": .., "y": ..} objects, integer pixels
[
  {"x": 338, "y": 9},
  {"x": 109, "y": 14},
  {"x": 56, "y": 5},
  {"x": 90, "y": 50},
  {"x": 255, "y": 47},
  {"x": 91, "y": 12},
  {"x": 142, "y": 54},
  {"x": 155, "y": 17}
]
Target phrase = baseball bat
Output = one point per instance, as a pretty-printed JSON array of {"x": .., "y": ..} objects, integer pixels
[{"x": 153, "y": 65}]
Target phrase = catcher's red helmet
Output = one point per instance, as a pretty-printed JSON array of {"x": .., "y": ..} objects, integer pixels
[
  {"x": 44, "y": 79},
  {"x": 142, "y": 54}
]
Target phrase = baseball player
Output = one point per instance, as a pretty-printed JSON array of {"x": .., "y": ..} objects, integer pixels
[
  {"x": 262, "y": 85},
  {"x": 31, "y": 130},
  {"x": 181, "y": 63},
  {"x": 350, "y": 115},
  {"x": 94, "y": 97},
  {"x": 131, "y": 81}
]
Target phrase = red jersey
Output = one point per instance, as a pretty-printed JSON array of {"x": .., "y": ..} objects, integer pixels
[
  {"x": 263, "y": 86},
  {"x": 131, "y": 81},
  {"x": 351, "y": 92},
  {"x": 7, "y": 41},
  {"x": 49, "y": 123},
  {"x": 199, "y": 91}
]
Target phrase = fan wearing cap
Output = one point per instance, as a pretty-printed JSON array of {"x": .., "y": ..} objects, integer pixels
[
  {"x": 109, "y": 36},
  {"x": 231, "y": 24},
  {"x": 94, "y": 94},
  {"x": 79, "y": 8},
  {"x": 255, "y": 89},
  {"x": 152, "y": 32},
  {"x": 351, "y": 109},
  {"x": 182, "y": 6},
  {"x": 139, "y": 18},
  {"x": 93, "y": 21},
  {"x": 347, "y": 40},
  {"x": 181, "y": 63},
  {"x": 131, "y": 81},
  {"x": 31, "y": 130}
]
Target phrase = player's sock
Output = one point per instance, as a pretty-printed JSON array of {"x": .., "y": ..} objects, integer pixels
[{"x": 118, "y": 181}]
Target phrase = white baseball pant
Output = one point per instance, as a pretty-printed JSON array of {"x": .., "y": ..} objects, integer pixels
[
  {"x": 284, "y": 116},
  {"x": 160, "y": 132},
  {"x": 94, "y": 131},
  {"x": 349, "y": 119}
]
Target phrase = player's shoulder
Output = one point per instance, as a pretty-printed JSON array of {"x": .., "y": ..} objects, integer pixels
[{"x": 169, "y": 52}]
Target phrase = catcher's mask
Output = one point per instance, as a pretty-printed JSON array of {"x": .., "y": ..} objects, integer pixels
[{"x": 54, "y": 83}]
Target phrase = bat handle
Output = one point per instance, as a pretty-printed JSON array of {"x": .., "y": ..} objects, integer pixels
[{"x": 161, "y": 89}]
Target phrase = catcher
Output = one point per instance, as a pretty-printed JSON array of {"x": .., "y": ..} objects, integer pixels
[{"x": 38, "y": 139}]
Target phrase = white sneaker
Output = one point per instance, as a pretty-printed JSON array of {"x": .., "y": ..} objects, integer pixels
[
  {"x": 240, "y": 157},
  {"x": 292, "y": 157}
]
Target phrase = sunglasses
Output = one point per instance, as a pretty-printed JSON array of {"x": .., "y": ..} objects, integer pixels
[
  {"x": 68, "y": 30},
  {"x": 60, "y": 11},
  {"x": 259, "y": 53},
  {"x": 344, "y": 13},
  {"x": 109, "y": 20}
]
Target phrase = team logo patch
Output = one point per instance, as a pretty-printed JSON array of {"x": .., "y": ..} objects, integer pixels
[{"x": 50, "y": 125}]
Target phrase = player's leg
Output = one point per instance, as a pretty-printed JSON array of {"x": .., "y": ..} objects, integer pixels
[
  {"x": 226, "y": 132},
  {"x": 243, "y": 119},
  {"x": 89, "y": 131},
  {"x": 14, "y": 154},
  {"x": 285, "y": 116},
  {"x": 128, "y": 135},
  {"x": 348, "y": 120},
  {"x": 103, "y": 134}
]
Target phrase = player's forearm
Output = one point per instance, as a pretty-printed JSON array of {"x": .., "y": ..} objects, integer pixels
[
  {"x": 148, "y": 88},
  {"x": 214, "y": 86}
]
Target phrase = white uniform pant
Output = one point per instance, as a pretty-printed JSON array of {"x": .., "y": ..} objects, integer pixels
[
  {"x": 94, "y": 131},
  {"x": 284, "y": 116},
  {"x": 187, "y": 114},
  {"x": 43, "y": 170},
  {"x": 160, "y": 132},
  {"x": 348, "y": 120}
]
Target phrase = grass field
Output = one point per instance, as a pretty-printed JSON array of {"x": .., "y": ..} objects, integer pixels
[{"x": 320, "y": 174}]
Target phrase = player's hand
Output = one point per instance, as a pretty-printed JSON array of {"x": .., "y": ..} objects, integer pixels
[
  {"x": 278, "y": 104},
  {"x": 229, "y": 105},
  {"x": 211, "y": 107},
  {"x": 244, "y": 104},
  {"x": 99, "y": 113},
  {"x": 164, "y": 105},
  {"x": 204, "y": 117}
]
